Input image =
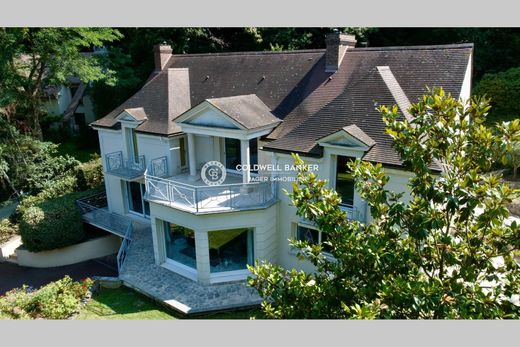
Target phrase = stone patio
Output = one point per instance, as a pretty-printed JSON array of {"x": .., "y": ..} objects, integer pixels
[{"x": 141, "y": 273}]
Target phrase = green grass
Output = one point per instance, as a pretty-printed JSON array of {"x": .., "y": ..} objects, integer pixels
[
  {"x": 72, "y": 149},
  {"x": 124, "y": 303}
]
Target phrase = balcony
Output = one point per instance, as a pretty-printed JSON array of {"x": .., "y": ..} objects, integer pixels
[
  {"x": 196, "y": 197},
  {"x": 126, "y": 168}
]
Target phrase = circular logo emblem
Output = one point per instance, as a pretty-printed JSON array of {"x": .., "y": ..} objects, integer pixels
[{"x": 213, "y": 173}]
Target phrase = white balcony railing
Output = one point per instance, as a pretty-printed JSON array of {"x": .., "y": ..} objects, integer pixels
[
  {"x": 201, "y": 199},
  {"x": 127, "y": 168}
]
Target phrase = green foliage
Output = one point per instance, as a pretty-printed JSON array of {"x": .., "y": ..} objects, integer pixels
[
  {"x": 7, "y": 230},
  {"x": 90, "y": 174},
  {"x": 56, "y": 300},
  {"x": 33, "y": 59},
  {"x": 27, "y": 165},
  {"x": 503, "y": 89},
  {"x": 448, "y": 253},
  {"x": 53, "y": 223},
  {"x": 52, "y": 190}
]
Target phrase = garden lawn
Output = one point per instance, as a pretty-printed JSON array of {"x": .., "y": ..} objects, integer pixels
[{"x": 124, "y": 303}]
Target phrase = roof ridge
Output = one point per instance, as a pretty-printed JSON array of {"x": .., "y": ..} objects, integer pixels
[
  {"x": 412, "y": 48},
  {"x": 315, "y": 50}
]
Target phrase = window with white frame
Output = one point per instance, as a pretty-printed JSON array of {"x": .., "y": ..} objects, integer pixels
[{"x": 312, "y": 235}]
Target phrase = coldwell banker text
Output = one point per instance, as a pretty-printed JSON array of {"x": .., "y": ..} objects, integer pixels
[{"x": 277, "y": 168}]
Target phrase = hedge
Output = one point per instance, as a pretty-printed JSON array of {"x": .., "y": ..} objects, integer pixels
[
  {"x": 90, "y": 174},
  {"x": 53, "y": 223}
]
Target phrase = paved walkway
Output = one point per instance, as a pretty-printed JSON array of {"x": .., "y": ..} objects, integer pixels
[
  {"x": 14, "y": 276},
  {"x": 180, "y": 293}
]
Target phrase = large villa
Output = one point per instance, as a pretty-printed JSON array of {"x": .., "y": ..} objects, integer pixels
[{"x": 187, "y": 241}]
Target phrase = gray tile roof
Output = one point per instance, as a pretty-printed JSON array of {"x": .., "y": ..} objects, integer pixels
[
  {"x": 296, "y": 89},
  {"x": 247, "y": 110}
]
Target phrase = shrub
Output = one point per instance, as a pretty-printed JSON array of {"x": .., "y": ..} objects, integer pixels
[
  {"x": 56, "y": 300},
  {"x": 90, "y": 174},
  {"x": 52, "y": 189},
  {"x": 53, "y": 223},
  {"x": 7, "y": 230},
  {"x": 503, "y": 89}
]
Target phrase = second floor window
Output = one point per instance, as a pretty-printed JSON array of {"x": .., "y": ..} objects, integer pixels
[
  {"x": 344, "y": 181},
  {"x": 132, "y": 144}
]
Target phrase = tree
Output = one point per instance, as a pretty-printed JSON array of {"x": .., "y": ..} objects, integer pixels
[
  {"x": 503, "y": 88},
  {"x": 448, "y": 253},
  {"x": 34, "y": 59}
]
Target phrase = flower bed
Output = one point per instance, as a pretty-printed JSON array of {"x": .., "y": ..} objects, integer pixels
[{"x": 57, "y": 300}]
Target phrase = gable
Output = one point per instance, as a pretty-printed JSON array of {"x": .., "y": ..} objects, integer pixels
[{"x": 210, "y": 117}]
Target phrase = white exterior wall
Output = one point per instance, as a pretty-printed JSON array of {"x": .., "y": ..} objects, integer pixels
[{"x": 151, "y": 147}]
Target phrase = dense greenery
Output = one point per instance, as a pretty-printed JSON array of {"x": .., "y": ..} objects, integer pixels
[
  {"x": 503, "y": 89},
  {"x": 53, "y": 223},
  {"x": 27, "y": 165},
  {"x": 35, "y": 59},
  {"x": 50, "y": 219},
  {"x": 447, "y": 253},
  {"x": 56, "y": 300}
]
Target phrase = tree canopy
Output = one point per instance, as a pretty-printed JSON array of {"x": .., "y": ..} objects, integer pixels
[{"x": 447, "y": 253}]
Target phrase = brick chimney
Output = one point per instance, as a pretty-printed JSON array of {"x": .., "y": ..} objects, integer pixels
[
  {"x": 161, "y": 54},
  {"x": 337, "y": 44}
]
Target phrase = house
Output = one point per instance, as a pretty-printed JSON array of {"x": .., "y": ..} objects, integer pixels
[
  {"x": 202, "y": 222},
  {"x": 69, "y": 101}
]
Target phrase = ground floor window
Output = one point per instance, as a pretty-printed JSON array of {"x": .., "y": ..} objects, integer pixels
[
  {"x": 180, "y": 244},
  {"x": 312, "y": 236},
  {"x": 230, "y": 250},
  {"x": 136, "y": 202}
]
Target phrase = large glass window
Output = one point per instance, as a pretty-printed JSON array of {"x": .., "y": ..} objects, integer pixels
[
  {"x": 230, "y": 250},
  {"x": 136, "y": 202},
  {"x": 180, "y": 244},
  {"x": 344, "y": 181},
  {"x": 312, "y": 236}
]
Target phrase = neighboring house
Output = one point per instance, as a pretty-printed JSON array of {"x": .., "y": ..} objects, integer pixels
[
  {"x": 70, "y": 101},
  {"x": 248, "y": 108}
]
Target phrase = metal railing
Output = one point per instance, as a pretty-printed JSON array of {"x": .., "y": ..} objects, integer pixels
[
  {"x": 130, "y": 168},
  {"x": 123, "y": 249},
  {"x": 224, "y": 197},
  {"x": 94, "y": 211}
]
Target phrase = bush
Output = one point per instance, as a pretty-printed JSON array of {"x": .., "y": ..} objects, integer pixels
[
  {"x": 52, "y": 190},
  {"x": 90, "y": 174},
  {"x": 56, "y": 300},
  {"x": 53, "y": 223},
  {"x": 504, "y": 90},
  {"x": 7, "y": 230}
]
